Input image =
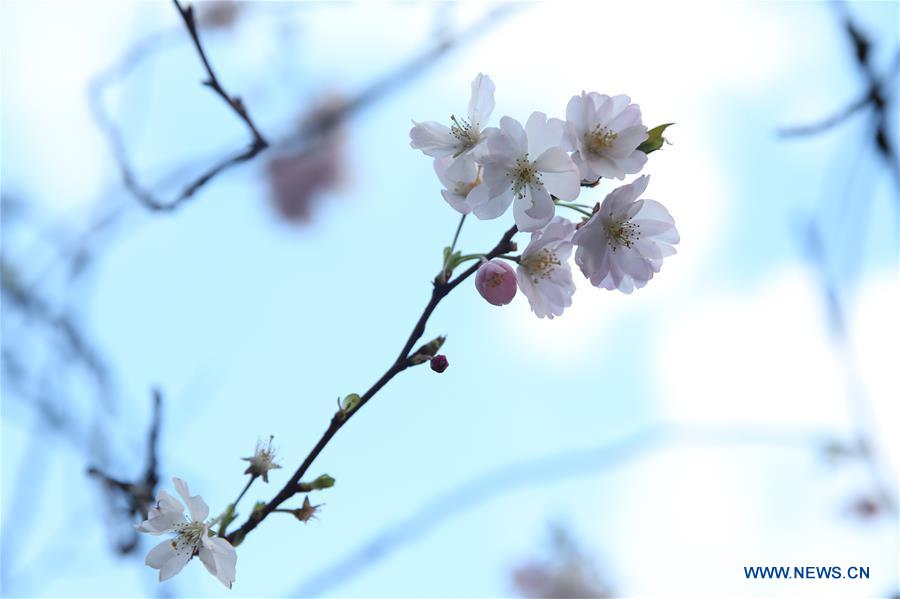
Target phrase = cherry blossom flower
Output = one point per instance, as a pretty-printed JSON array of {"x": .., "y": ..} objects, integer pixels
[
  {"x": 605, "y": 133},
  {"x": 527, "y": 165},
  {"x": 192, "y": 537},
  {"x": 544, "y": 274},
  {"x": 461, "y": 178},
  {"x": 262, "y": 460},
  {"x": 435, "y": 139},
  {"x": 496, "y": 282},
  {"x": 623, "y": 244}
]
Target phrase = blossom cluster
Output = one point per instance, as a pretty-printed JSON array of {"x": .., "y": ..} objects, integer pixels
[{"x": 543, "y": 165}]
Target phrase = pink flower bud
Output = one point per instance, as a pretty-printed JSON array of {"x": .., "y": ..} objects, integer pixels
[
  {"x": 439, "y": 363},
  {"x": 496, "y": 282}
]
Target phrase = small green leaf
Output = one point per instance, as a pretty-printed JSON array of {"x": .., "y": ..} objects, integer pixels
[{"x": 655, "y": 139}]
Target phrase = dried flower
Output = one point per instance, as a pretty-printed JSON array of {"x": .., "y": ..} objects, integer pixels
[
  {"x": 307, "y": 512},
  {"x": 262, "y": 460}
]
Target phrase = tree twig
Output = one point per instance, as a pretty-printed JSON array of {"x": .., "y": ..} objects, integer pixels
[{"x": 403, "y": 361}]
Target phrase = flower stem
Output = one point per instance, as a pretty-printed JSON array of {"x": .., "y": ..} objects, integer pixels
[
  {"x": 581, "y": 208},
  {"x": 453, "y": 243},
  {"x": 468, "y": 257},
  {"x": 249, "y": 482}
]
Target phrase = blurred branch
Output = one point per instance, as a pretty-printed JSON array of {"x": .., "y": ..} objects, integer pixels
[
  {"x": 878, "y": 90},
  {"x": 545, "y": 470},
  {"x": 34, "y": 307},
  {"x": 406, "y": 359},
  {"x": 820, "y": 246},
  {"x": 257, "y": 144},
  {"x": 236, "y": 104},
  {"x": 138, "y": 495},
  {"x": 311, "y": 130}
]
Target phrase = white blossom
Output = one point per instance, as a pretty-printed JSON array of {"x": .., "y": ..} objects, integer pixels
[
  {"x": 623, "y": 244},
  {"x": 605, "y": 133},
  {"x": 527, "y": 165},
  {"x": 543, "y": 274},
  {"x": 192, "y": 537},
  {"x": 461, "y": 178},
  {"x": 462, "y": 136}
]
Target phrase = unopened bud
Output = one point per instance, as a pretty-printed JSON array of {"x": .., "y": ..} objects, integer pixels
[
  {"x": 439, "y": 363},
  {"x": 427, "y": 351},
  {"x": 323, "y": 482},
  {"x": 496, "y": 282},
  {"x": 350, "y": 403}
]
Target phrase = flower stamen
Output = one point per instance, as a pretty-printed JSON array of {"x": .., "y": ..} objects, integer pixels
[
  {"x": 541, "y": 264},
  {"x": 599, "y": 139},
  {"x": 524, "y": 174},
  {"x": 465, "y": 133},
  {"x": 621, "y": 232}
]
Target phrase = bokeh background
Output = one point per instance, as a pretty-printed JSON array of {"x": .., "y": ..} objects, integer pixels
[{"x": 740, "y": 410}]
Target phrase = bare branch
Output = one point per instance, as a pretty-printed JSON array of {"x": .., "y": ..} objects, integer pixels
[{"x": 403, "y": 361}]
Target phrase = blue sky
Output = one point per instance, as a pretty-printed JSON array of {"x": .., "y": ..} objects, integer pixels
[{"x": 252, "y": 327}]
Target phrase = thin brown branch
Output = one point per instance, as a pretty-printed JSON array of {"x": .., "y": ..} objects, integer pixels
[
  {"x": 236, "y": 104},
  {"x": 403, "y": 361},
  {"x": 129, "y": 178}
]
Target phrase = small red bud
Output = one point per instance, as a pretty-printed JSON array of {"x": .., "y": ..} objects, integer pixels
[{"x": 439, "y": 363}]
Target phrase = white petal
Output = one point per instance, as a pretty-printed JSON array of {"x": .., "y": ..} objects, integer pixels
[
  {"x": 174, "y": 565},
  {"x": 495, "y": 206},
  {"x": 617, "y": 105},
  {"x": 534, "y": 210},
  {"x": 603, "y": 107},
  {"x": 196, "y": 506},
  {"x": 159, "y": 555},
  {"x": 576, "y": 115},
  {"x": 225, "y": 557},
  {"x": 554, "y": 160},
  {"x": 477, "y": 196},
  {"x": 542, "y": 133},
  {"x": 456, "y": 201},
  {"x": 529, "y": 290},
  {"x": 164, "y": 522},
  {"x": 207, "y": 559},
  {"x": 496, "y": 178},
  {"x": 629, "y": 117},
  {"x": 604, "y": 167},
  {"x": 481, "y": 105},
  {"x": 559, "y": 230},
  {"x": 462, "y": 169},
  {"x": 633, "y": 163},
  {"x": 433, "y": 139},
  {"x": 515, "y": 134},
  {"x": 627, "y": 142},
  {"x": 167, "y": 503}
]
